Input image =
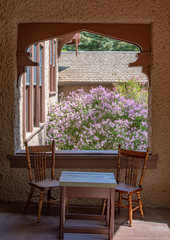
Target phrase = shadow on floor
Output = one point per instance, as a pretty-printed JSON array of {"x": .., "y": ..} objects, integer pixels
[{"x": 14, "y": 225}]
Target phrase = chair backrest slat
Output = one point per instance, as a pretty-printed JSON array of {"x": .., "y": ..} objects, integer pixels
[
  {"x": 53, "y": 162},
  {"x": 131, "y": 170},
  {"x": 135, "y": 172},
  {"x": 131, "y": 174},
  {"x": 45, "y": 164},
  {"x": 35, "y": 167},
  {"x": 39, "y": 156},
  {"x": 35, "y": 149}
]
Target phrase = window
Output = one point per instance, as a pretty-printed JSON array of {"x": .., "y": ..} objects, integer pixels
[
  {"x": 121, "y": 31},
  {"x": 34, "y": 91},
  {"x": 41, "y": 84},
  {"x": 53, "y": 65}
]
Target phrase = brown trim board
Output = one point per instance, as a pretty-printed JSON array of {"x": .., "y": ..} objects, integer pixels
[{"x": 84, "y": 160}]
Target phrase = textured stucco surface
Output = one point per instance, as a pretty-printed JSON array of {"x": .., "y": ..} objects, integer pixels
[{"x": 13, "y": 182}]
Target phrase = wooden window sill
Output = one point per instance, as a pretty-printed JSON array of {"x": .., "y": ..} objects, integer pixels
[{"x": 80, "y": 159}]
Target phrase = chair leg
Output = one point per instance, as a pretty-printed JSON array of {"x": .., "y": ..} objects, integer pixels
[
  {"x": 130, "y": 209},
  {"x": 104, "y": 206},
  {"x": 28, "y": 199},
  {"x": 66, "y": 205},
  {"x": 40, "y": 205},
  {"x": 108, "y": 204},
  {"x": 140, "y": 204},
  {"x": 119, "y": 202}
]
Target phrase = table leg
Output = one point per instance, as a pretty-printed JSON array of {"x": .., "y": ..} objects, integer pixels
[
  {"x": 112, "y": 209},
  {"x": 62, "y": 212},
  {"x": 108, "y": 211}
]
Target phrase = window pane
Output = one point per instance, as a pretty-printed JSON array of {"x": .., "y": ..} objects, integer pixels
[
  {"x": 40, "y": 66},
  {"x": 35, "y": 60},
  {"x": 35, "y": 75},
  {"x": 50, "y": 52},
  {"x": 28, "y": 71},
  {"x": 54, "y": 54},
  {"x": 28, "y": 76},
  {"x": 29, "y": 49},
  {"x": 26, "y": 110},
  {"x": 35, "y": 52}
]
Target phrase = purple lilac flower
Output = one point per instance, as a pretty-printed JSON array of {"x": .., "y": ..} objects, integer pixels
[{"x": 99, "y": 119}]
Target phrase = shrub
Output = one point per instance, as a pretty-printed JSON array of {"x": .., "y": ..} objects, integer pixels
[
  {"x": 133, "y": 89},
  {"x": 98, "y": 120}
]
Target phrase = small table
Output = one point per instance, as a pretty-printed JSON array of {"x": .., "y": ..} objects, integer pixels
[{"x": 88, "y": 185}]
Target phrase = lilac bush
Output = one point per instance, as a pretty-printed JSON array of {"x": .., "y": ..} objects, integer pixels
[{"x": 97, "y": 120}]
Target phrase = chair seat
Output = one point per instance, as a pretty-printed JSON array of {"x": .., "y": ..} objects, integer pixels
[
  {"x": 127, "y": 189},
  {"x": 47, "y": 183}
]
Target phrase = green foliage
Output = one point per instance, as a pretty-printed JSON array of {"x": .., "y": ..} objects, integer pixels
[
  {"x": 93, "y": 42},
  {"x": 133, "y": 89}
]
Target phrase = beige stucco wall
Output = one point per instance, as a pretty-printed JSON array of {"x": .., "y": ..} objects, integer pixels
[{"x": 13, "y": 182}]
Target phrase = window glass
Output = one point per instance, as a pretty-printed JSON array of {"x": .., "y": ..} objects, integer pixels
[
  {"x": 26, "y": 110},
  {"x": 40, "y": 66},
  {"x": 28, "y": 71},
  {"x": 50, "y": 52},
  {"x": 28, "y": 76},
  {"x": 54, "y": 54},
  {"x": 35, "y": 60}
]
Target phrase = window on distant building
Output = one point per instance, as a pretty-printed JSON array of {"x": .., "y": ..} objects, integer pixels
[
  {"x": 53, "y": 65},
  {"x": 34, "y": 91}
]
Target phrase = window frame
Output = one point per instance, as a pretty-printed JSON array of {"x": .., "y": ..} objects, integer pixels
[
  {"x": 89, "y": 159},
  {"x": 120, "y": 31}
]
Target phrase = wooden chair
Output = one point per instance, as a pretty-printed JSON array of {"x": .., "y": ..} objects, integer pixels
[
  {"x": 40, "y": 179},
  {"x": 132, "y": 180}
]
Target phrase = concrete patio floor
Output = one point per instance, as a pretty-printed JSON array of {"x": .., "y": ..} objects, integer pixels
[{"x": 14, "y": 225}]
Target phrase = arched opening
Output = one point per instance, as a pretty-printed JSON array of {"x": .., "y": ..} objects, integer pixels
[
  {"x": 29, "y": 33},
  {"x": 33, "y": 118}
]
